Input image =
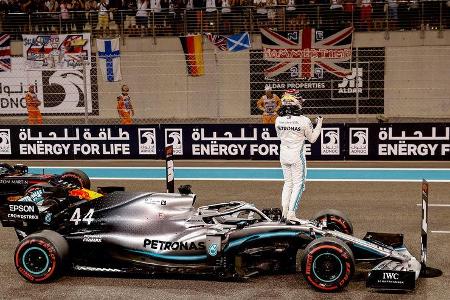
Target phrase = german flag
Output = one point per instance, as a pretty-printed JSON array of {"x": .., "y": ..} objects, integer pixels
[{"x": 193, "y": 51}]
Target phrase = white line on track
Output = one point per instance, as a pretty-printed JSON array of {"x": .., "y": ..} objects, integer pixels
[
  {"x": 435, "y": 205},
  {"x": 440, "y": 231},
  {"x": 248, "y": 168},
  {"x": 270, "y": 179}
]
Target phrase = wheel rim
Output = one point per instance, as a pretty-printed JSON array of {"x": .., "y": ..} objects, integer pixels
[
  {"x": 35, "y": 260},
  {"x": 327, "y": 267}
]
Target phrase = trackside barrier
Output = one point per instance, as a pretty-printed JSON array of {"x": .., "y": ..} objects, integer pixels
[
  {"x": 425, "y": 271},
  {"x": 397, "y": 141}
]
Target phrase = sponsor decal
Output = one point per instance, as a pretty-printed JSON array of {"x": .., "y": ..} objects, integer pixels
[
  {"x": 48, "y": 218},
  {"x": 147, "y": 140},
  {"x": 5, "y": 141},
  {"x": 174, "y": 137},
  {"x": 14, "y": 181},
  {"x": 359, "y": 141},
  {"x": 353, "y": 83},
  {"x": 22, "y": 208},
  {"x": 163, "y": 245},
  {"x": 35, "y": 196},
  {"x": 330, "y": 141},
  {"x": 91, "y": 239},
  {"x": 212, "y": 250}
]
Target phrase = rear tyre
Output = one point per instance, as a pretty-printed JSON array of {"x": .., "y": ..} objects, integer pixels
[
  {"x": 77, "y": 177},
  {"x": 41, "y": 257},
  {"x": 336, "y": 220},
  {"x": 328, "y": 264}
]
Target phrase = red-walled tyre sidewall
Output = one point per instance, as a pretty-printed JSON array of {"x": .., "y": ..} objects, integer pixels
[
  {"x": 340, "y": 251},
  {"x": 339, "y": 221},
  {"x": 55, "y": 248}
]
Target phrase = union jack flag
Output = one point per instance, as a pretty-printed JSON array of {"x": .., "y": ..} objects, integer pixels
[
  {"x": 219, "y": 41},
  {"x": 305, "y": 49},
  {"x": 5, "y": 52}
]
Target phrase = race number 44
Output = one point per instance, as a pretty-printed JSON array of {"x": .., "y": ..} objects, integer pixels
[{"x": 76, "y": 217}]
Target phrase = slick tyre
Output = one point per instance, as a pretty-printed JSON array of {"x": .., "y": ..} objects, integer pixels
[
  {"x": 328, "y": 264},
  {"x": 337, "y": 220},
  {"x": 77, "y": 177},
  {"x": 42, "y": 256}
]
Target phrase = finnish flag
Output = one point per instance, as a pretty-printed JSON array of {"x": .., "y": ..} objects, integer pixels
[
  {"x": 108, "y": 53},
  {"x": 238, "y": 42}
]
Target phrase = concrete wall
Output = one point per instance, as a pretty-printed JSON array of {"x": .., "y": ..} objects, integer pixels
[{"x": 417, "y": 81}]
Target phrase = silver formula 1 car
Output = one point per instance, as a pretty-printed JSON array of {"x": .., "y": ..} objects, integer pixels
[{"x": 149, "y": 233}]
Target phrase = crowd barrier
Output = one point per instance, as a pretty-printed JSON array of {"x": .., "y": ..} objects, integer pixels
[{"x": 399, "y": 141}]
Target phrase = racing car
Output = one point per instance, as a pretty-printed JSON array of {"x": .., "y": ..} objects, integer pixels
[
  {"x": 64, "y": 230},
  {"x": 15, "y": 181}
]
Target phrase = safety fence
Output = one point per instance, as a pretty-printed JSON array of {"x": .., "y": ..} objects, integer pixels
[
  {"x": 239, "y": 16},
  {"x": 217, "y": 141},
  {"x": 397, "y": 83}
]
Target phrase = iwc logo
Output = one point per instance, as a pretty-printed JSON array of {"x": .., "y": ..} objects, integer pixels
[
  {"x": 359, "y": 141},
  {"x": 5, "y": 141},
  {"x": 147, "y": 140},
  {"x": 174, "y": 137},
  {"x": 330, "y": 141}
]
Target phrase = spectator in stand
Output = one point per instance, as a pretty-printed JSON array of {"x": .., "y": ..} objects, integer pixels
[
  {"x": 190, "y": 15},
  {"x": 349, "y": 10},
  {"x": 65, "y": 16},
  {"x": 177, "y": 16},
  {"x": 211, "y": 16},
  {"x": 378, "y": 14},
  {"x": 393, "y": 13},
  {"x": 226, "y": 18},
  {"x": 78, "y": 16},
  {"x": 261, "y": 12},
  {"x": 33, "y": 103},
  {"x": 103, "y": 17},
  {"x": 366, "y": 14},
  {"x": 157, "y": 7},
  {"x": 91, "y": 8},
  {"x": 336, "y": 12},
  {"x": 199, "y": 6},
  {"x": 142, "y": 13},
  {"x": 52, "y": 7},
  {"x": 403, "y": 14},
  {"x": 414, "y": 14},
  {"x": 271, "y": 11}
]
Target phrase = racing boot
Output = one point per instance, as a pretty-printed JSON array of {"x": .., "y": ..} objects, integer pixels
[{"x": 292, "y": 218}]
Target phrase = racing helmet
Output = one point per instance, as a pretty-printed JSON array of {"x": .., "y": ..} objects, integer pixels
[{"x": 290, "y": 110}]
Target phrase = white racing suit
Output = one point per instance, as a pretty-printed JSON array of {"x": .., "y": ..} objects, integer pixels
[{"x": 293, "y": 131}]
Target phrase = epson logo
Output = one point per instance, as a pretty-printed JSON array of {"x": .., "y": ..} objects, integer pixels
[
  {"x": 21, "y": 208},
  {"x": 391, "y": 276}
]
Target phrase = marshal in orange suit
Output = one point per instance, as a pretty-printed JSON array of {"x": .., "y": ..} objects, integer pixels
[
  {"x": 33, "y": 103},
  {"x": 124, "y": 107}
]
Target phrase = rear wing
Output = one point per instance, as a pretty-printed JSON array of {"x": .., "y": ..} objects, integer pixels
[{"x": 19, "y": 214}]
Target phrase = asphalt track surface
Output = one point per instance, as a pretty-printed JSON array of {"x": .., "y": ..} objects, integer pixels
[{"x": 372, "y": 206}]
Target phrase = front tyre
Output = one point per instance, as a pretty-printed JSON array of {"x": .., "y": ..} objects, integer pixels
[
  {"x": 328, "y": 264},
  {"x": 336, "y": 220},
  {"x": 41, "y": 257}
]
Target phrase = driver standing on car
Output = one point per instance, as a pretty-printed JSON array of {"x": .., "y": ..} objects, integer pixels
[{"x": 294, "y": 129}]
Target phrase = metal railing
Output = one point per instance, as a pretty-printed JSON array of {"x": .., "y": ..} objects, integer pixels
[{"x": 379, "y": 16}]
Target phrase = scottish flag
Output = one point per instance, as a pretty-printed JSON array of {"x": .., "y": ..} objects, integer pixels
[
  {"x": 109, "y": 59},
  {"x": 238, "y": 42}
]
